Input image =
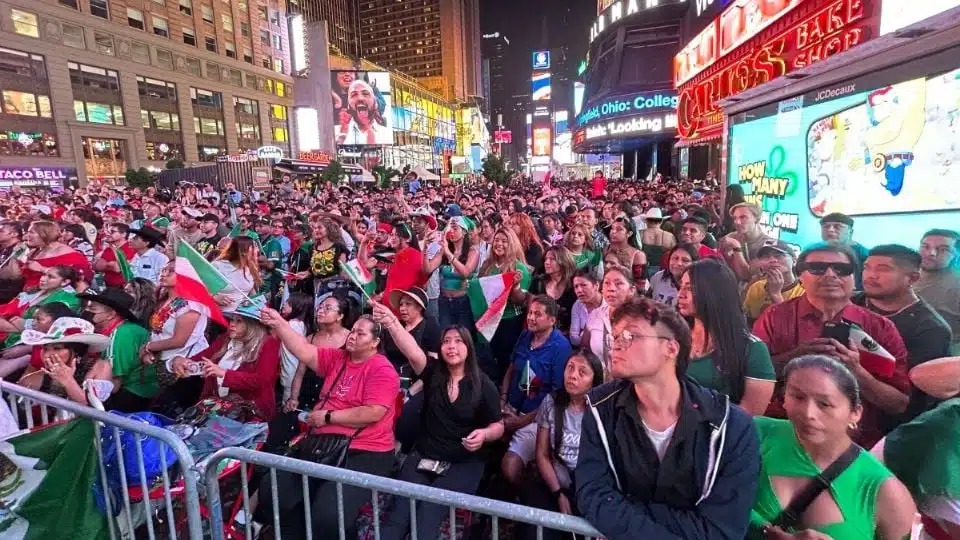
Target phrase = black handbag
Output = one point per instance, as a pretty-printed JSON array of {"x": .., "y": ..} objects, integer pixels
[{"x": 325, "y": 448}]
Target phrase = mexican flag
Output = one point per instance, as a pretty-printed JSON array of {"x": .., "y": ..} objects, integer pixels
[
  {"x": 361, "y": 276},
  {"x": 529, "y": 381},
  {"x": 198, "y": 280},
  {"x": 46, "y": 484},
  {"x": 123, "y": 263},
  {"x": 488, "y": 298},
  {"x": 873, "y": 357}
]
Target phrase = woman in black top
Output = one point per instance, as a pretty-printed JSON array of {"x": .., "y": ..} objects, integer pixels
[
  {"x": 461, "y": 412},
  {"x": 410, "y": 307},
  {"x": 557, "y": 283}
]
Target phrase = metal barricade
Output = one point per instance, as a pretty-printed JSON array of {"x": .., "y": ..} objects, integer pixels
[
  {"x": 497, "y": 510},
  {"x": 26, "y": 404}
]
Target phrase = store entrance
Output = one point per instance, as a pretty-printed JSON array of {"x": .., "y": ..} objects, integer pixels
[{"x": 105, "y": 159}]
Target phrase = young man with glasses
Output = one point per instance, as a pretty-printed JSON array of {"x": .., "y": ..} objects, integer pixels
[
  {"x": 796, "y": 328},
  {"x": 661, "y": 456},
  {"x": 939, "y": 282}
]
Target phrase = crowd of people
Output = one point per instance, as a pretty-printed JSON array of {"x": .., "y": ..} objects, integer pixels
[{"x": 662, "y": 366}]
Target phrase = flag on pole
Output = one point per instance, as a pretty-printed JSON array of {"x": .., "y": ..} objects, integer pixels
[
  {"x": 873, "y": 357},
  {"x": 488, "y": 298},
  {"x": 124, "y": 264},
  {"x": 198, "y": 280},
  {"x": 361, "y": 276},
  {"x": 47, "y": 478}
]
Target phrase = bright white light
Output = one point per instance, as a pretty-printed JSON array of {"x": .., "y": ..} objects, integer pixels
[
  {"x": 578, "y": 90},
  {"x": 308, "y": 129},
  {"x": 897, "y": 14},
  {"x": 298, "y": 44}
]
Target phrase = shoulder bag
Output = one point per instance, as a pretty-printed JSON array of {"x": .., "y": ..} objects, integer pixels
[
  {"x": 790, "y": 516},
  {"x": 326, "y": 448}
]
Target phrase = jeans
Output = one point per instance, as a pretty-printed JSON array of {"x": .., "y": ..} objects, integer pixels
[
  {"x": 461, "y": 477},
  {"x": 433, "y": 308},
  {"x": 323, "y": 499},
  {"x": 456, "y": 311}
]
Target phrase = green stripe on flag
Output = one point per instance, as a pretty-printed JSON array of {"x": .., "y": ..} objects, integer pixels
[
  {"x": 209, "y": 276},
  {"x": 124, "y": 264}
]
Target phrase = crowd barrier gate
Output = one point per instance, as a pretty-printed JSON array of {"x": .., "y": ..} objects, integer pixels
[{"x": 376, "y": 484}]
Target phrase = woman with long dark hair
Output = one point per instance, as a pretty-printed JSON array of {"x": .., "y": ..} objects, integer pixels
[
  {"x": 724, "y": 355},
  {"x": 506, "y": 255},
  {"x": 461, "y": 412},
  {"x": 299, "y": 312},
  {"x": 665, "y": 284},
  {"x": 457, "y": 261},
  {"x": 239, "y": 264},
  {"x": 557, "y": 283},
  {"x": 623, "y": 244},
  {"x": 530, "y": 241}
]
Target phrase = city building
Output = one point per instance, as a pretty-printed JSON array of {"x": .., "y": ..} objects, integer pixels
[
  {"x": 92, "y": 88},
  {"x": 494, "y": 50},
  {"x": 434, "y": 41},
  {"x": 341, "y": 19}
]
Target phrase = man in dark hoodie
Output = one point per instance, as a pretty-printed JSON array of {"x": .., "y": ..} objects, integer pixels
[{"x": 660, "y": 456}]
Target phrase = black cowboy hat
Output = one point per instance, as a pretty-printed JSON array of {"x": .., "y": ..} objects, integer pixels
[
  {"x": 151, "y": 235},
  {"x": 115, "y": 299}
]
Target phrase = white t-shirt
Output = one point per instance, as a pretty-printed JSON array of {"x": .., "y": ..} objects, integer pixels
[
  {"x": 196, "y": 342},
  {"x": 598, "y": 323},
  {"x": 578, "y": 321},
  {"x": 662, "y": 289},
  {"x": 229, "y": 362},
  {"x": 288, "y": 362},
  {"x": 241, "y": 283},
  {"x": 660, "y": 439}
]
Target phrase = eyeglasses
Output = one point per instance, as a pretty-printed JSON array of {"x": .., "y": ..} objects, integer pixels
[
  {"x": 626, "y": 339},
  {"x": 820, "y": 268},
  {"x": 328, "y": 309}
]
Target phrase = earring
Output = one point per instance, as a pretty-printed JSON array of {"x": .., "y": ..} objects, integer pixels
[{"x": 852, "y": 426}]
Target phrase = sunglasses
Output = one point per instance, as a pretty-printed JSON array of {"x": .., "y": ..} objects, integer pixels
[{"x": 820, "y": 268}]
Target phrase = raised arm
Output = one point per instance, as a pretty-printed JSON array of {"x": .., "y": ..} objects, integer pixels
[
  {"x": 401, "y": 337},
  {"x": 298, "y": 345}
]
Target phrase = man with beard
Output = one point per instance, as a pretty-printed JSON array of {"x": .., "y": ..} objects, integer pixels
[
  {"x": 939, "y": 282},
  {"x": 366, "y": 125}
]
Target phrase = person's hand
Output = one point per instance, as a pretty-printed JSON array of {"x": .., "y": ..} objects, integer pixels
[
  {"x": 179, "y": 366},
  {"x": 847, "y": 354},
  {"x": 146, "y": 356},
  {"x": 36, "y": 267},
  {"x": 729, "y": 243},
  {"x": 316, "y": 418},
  {"x": 209, "y": 369},
  {"x": 774, "y": 283},
  {"x": 291, "y": 405},
  {"x": 564, "y": 504},
  {"x": 370, "y": 237},
  {"x": 58, "y": 371},
  {"x": 474, "y": 441},
  {"x": 818, "y": 345},
  {"x": 809, "y": 534},
  {"x": 271, "y": 317},
  {"x": 382, "y": 314},
  {"x": 222, "y": 299},
  {"x": 302, "y": 275}
]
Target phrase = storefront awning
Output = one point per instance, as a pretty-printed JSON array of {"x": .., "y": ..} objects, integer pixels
[
  {"x": 708, "y": 138},
  {"x": 293, "y": 166}
]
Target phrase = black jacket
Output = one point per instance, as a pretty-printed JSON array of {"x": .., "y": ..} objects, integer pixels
[{"x": 726, "y": 466}]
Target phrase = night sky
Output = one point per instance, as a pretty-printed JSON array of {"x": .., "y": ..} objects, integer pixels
[{"x": 522, "y": 21}]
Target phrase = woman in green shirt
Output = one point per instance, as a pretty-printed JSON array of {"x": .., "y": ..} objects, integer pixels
[
  {"x": 506, "y": 255},
  {"x": 863, "y": 501},
  {"x": 724, "y": 355}
]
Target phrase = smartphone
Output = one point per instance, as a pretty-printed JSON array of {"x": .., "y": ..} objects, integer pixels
[
  {"x": 194, "y": 369},
  {"x": 839, "y": 331}
]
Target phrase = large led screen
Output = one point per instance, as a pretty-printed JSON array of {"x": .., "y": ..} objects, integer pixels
[{"x": 362, "y": 107}]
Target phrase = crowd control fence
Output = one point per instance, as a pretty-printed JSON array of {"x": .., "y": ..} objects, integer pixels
[
  {"x": 137, "y": 504},
  {"x": 416, "y": 493}
]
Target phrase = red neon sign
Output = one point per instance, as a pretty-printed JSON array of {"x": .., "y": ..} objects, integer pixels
[{"x": 818, "y": 30}]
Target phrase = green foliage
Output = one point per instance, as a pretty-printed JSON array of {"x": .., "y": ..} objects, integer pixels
[
  {"x": 385, "y": 175},
  {"x": 494, "y": 169},
  {"x": 140, "y": 178},
  {"x": 334, "y": 173},
  {"x": 175, "y": 164}
]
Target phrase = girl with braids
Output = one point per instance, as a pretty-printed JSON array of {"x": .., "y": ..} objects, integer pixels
[{"x": 558, "y": 436}]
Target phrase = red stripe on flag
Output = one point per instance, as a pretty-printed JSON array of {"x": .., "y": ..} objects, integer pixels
[
  {"x": 500, "y": 303},
  {"x": 190, "y": 289}
]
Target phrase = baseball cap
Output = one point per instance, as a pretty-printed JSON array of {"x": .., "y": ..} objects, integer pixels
[{"x": 210, "y": 217}]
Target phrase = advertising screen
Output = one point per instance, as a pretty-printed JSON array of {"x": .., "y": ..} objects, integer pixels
[
  {"x": 541, "y": 59},
  {"x": 541, "y": 86},
  {"x": 888, "y": 155},
  {"x": 542, "y": 141},
  {"x": 362, "y": 107}
]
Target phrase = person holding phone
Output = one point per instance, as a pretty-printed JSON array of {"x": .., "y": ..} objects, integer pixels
[{"x": 796, "y": 328}]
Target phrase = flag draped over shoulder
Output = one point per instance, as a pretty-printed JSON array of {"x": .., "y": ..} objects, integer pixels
[
  {"x": 361, "y": 276},
  {"x": 124, "y": 264},
  {"x": 488, "y": 298},
  {"x": 198, "y": 281},
  {"x": 46, "y": 484},
  {"x": 873, "y": 357}
]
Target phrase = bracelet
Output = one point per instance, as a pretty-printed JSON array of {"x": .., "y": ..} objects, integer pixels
[{"x": 557, "y": 492}]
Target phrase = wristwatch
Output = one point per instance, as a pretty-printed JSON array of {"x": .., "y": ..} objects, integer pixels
[{"x": 326, "y": 417}]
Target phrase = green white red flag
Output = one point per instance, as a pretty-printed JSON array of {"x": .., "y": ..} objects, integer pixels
[
  {"x": 198, "y": 281},
  {"x": 488, "y": 298},
  {"x": 361, "y": 276}
]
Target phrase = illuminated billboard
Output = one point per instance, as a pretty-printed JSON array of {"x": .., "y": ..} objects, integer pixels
[
  {"x": 362, "y": 107},
  {"x": 579, "y": 89},
  {"x": 817, "y": 29},
  {"x": 541, "y": 60},
  {"x": 644, "y": 102},
  {"x": 541, "y": 86},
  {"x": 610, "y": 12},
  {"x": 900, "y": 13}
]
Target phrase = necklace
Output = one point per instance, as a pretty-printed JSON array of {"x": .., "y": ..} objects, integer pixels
[{"x": 889, "y": 314}]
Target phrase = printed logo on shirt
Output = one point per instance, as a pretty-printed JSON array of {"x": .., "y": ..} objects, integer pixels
[{"x": 343, "y": 386}]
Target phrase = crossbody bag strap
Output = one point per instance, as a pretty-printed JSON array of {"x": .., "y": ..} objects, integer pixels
[
  {"x": 323, "y": 401},
  {"x": 790, "y": 516}
]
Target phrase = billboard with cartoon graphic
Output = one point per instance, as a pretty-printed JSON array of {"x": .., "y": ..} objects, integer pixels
[{"x": 884, "y": 149}]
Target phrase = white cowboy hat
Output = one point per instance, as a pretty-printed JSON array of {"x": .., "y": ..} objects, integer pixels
[{"x": 67, "y": 330}]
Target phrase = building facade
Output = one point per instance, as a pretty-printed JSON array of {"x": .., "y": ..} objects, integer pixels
[
  {"x": 341, "y": 19},
  {"x": 92, "y": 88}
]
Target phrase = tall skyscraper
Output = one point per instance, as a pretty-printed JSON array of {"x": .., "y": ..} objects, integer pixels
[
  {"x": 435, "y": 41},
  {"x": 495, "y": 47},
  {"x": 341, "y": 19}
]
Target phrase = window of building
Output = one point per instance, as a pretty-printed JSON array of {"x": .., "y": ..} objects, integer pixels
[
  {"x": 164, "y": 151},
  {"x": 140, "y": 52},
  {"x": 236, "y": 77},
  {"x": 73, "y": 36},
  {"x": 262, "y": 11},
  {"x": 210, "y": 153},
  {"x": 278, "y": 65},
  {"x": 246, "y": 106},
  {"x": 186, "y": 7},
  {"x": 192, "y": 65},
  {"x": 92, "y": 77},
  {"x": 160, "y": 27},
  {"x": 28, "y": 144},
  {"x": 278, "y": 42},
  {"x": 25, "y": 23},
  {"x": 98, "y": 113},
  {"x": 248, "y": 55},
  {"x": 164, "y": 58},
  {"x": 189, "y": 37},
  {"x": 252, "y": 81},
  {"x": 26, "y": 104},
  {"x": 281, "y": 134},
  {"x": 21, "y": 64},
  {"x": 70, "y": 4},
  {"x": 265, "y": 38},
  {"x": 104, "y": 43},
  {"x": 278, "y": 112},
  {"x": 210, "y": 43},
  {"x": 230, "y": 49},
  {"x": 281, "y": 89},
  {"x": 267, "y": 85},
  {"x": 248, "y": 131},
  {"x": 162, "y": 120},
  {"x": 242, "y": 6},
  {"x": 206, "y": 98},
  {"x": 156, "y": 89},
  {"x": 267, "y": 61},
  {"x": 135, "y": 18},
  {"x": 206, "y": 12},
  {"x": 227, "y": 21},
  {"x": 160, "y": 2},
  {"x": 208, "y": 126},
  {"x": 274, "y": 17},
  {"x": 98, "y": 8},
  {"x": 245, "y": 29},
  {"x": 213, "y": 71}
]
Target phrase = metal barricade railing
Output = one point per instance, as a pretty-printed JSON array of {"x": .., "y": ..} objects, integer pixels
[
  {"x": 416, "y": 493},
  {"x": 25, "y": 403}
]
